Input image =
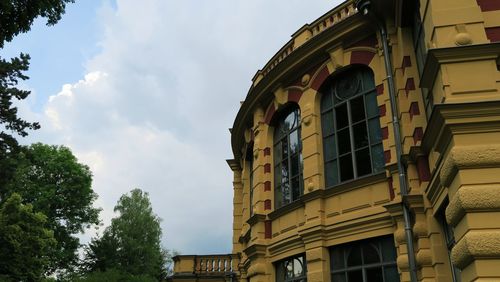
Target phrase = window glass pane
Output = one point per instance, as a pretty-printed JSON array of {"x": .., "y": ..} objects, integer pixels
[
  {"x": 371, "y": 105},
  {"x": 277, "y": 153},
  {"x": 278, "y": 196},
  {"x": 375, "y": 275},
  {"x": 370, "y": 254},
  {"x": 357, "y": 109},
  {"x": 344, "y": 141},
  {"x": 291, "y": 120},
  {"x": 295, "y": 189},
  {"x": 341, "y": 116},
  {"x": 388, "y": 249},
  {"x": 360, "y": 135},
  {"x": 329, "y": 148},
  {"x": 378, "y": 158},
  {"x": 355, "y": 276},
  {"x": 375, "y": 132},
  {"x": 363, "y": 164},
  {"x": 277, "y": 175},
  {"x": 288, "y": 269},
  {"x": 284, "y": 148},
  {"x": 285, "y": 190},
  {"x": 391, "y": 273},
  {"x": 337, "y": 258},
  {"x": 326, "y": 101},
  {"x": 295, "y": 165},
  {"x": 284, "y": 172},
  {"x": 346, "y": 171},
  {"x": 294, "y": 142},
  {"x": 347, "y": 86},
  {"x": 298, "y": 269},
  {"x": 327, "y": 123},
  {"x": 354, "y": 256},
  {"x": 339, "y": 277},
  {"x": 331, "y": 172}
]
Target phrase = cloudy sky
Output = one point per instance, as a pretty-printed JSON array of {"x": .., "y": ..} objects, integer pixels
[{"x": 144, "y": 93}]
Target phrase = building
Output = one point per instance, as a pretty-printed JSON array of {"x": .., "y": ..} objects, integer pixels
[{"x": 368, "y": 149}]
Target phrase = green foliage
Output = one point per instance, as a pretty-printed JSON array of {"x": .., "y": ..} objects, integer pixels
[
  {"x": 25, "y": 243},
  {"x": 132, "y": 243},
  {"x": 52, "y": 180},
  {"x": 113, "y": 275},
  {"x": 18, "y": 16}
]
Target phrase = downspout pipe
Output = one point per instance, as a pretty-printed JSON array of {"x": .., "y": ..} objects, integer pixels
[{"x": 363, "y": 7}]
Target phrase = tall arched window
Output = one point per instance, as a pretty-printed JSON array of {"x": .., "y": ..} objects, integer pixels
[
  {"x": 352, "y": 139},
  {"x": 288, "y": 181}
]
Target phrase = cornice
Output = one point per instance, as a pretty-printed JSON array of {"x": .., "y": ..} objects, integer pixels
[
  {"x": 256, "y": 218},
  {"x": 438, "y": 56},
  {"x": 448, "y": 119}
]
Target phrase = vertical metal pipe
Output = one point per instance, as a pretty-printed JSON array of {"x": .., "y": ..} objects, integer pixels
[{"x": 397, "y": 138}]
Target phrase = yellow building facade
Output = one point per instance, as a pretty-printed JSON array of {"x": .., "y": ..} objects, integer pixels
[{"x": 368, "y": 149}]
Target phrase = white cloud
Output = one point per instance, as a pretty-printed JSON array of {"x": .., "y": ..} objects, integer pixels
[{"x": 154, "y": 108}]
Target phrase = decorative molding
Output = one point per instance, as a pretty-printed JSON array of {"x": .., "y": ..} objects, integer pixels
[{"x": 476, "y": 245}]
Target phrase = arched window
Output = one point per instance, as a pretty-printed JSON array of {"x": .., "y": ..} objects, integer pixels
[
  {"x": 288, "y": 181},
  {"x": 352, "y": 139}
]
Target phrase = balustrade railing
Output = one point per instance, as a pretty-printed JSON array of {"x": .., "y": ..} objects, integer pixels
[
  {"x": 206, "y": 264},
  {"x": 307, "y": 32}
]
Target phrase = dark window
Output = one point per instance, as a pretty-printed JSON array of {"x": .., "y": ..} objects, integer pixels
[
  {"x": 372, "y": 260},
  {"x": 292, "y": 269},
  {"x": 288, "y": 182},
  {"x": 418, "y": 33},
  {"x": 352, "y": 138},
  {"x": 449, "y": 238}
]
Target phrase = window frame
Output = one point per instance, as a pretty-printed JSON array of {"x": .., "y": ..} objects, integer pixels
[
  {"x": 346, "y": 249},
  {"x": 281, "y": 264},
  {"x": 278, "y": 159},
  {"x": 329, "y": 115}
]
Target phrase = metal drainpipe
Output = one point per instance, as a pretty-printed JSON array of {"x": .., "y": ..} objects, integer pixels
[{"x": 397, "y": 139}]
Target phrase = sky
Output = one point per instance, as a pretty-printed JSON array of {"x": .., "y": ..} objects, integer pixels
[{"x": 144, "y": 92}]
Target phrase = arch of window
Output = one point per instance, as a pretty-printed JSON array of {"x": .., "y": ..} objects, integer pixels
[
  {"x": 288, "y": 162},
  {"x": 352, "y": 138}
]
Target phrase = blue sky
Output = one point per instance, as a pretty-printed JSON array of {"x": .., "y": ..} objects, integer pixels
[{"x": 144, "y": 93}]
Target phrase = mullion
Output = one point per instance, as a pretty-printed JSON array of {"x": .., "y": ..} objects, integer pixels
[
  {"x": 351, "y": 135},
  {"x": 368, "y": 134}
]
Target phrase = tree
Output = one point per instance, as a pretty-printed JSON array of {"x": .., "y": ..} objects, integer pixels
[
  {"x": 25, "y": 243},
  {"x": 131, "y": 244},
  {"x": 17, "y": 17},
  {"x": 52, "y": 180}
]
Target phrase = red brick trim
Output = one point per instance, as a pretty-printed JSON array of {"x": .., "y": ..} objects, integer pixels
[
  {"x": 414, "y": 110},
  {"x": 380, "y": 89},
  {"x": 267, "y": 168},
  {"x": 391, "y": 188},
  {"x": 489, "y": 5},
  {"x": 423, "y": 170},
  {"x": 387, "y": 156},
  {"x": 320, "y": 78},
  {"x": 268, "y": 229},
  {"x": 267, "y": 204},
  {"x": 493, "y": 33},
  {"x": 410, "y": 85},
  {"x": 267, "y": 186},
  {"x": 418, "y": 133},
  {"x": 362, "y": 57},
  {"x": 385, "y": 133},
  {"x": 294, "y": 95},
  {"x": 382, "y": 110},
  {"x": 406, "y": 63},
  {"x": 267, "y": 151},
  {"x": 269, "y": 113}
]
